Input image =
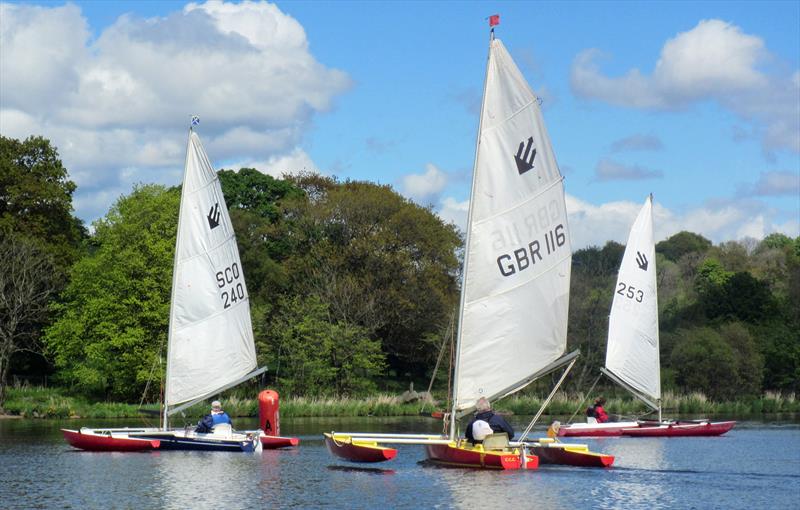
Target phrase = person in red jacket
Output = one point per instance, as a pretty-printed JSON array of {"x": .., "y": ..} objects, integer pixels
[{"x": 596, "y": 411}]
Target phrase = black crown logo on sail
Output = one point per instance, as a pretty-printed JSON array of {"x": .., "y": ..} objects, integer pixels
[
  {"x": 213, "y": 216},
  {"x": 525, "y": 161}
]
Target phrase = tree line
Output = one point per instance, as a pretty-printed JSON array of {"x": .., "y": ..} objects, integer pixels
[{"x": 352, "y": 289}]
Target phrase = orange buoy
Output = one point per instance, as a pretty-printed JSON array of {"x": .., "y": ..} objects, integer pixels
[{"x": 268, "y": 413}]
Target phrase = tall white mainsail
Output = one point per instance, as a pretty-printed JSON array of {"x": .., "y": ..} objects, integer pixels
[
  {"x": 210, "y": 334},
  {"x": 515, "y": 294},
  {"x": 632, "y": 356}
]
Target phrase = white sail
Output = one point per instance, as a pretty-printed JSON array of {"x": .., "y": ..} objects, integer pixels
[
  {"x": 517, "y": 265},
  {"x": 210, "y": 337},
  {"x": 632, "y": 354}
]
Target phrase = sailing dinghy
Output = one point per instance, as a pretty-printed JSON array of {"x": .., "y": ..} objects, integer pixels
[
  {"x": 515, "y": 290},
  {"x": 210, "y": 342},
  {"x": 632, "y": 355}
]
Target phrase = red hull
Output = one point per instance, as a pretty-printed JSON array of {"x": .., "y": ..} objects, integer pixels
[
  {"x": 450, "y": 455},
  {"x": 678, "y": 429},
  {"x": 358, "y": 452},
  {"x": 106, "y": 443},
  {"x": 273, "y": 442},
  {"x": 562, "y": 456},
  {"x": 566, "y": 431},
  {"x": 652, "y": 429}
]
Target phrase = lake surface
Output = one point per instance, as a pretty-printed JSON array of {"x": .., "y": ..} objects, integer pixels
[{"x": 756, "y": 465}]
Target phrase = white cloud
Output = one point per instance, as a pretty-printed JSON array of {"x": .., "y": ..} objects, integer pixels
[
  {"x": 424, "y": 188},
  {"x": 610, "y": 170},
  {"x": 290, "y": 163},
  {"x": 118, "y": 106},
  {"x": 723, "y": 220},
  {"x": 711, "y": 58},
  {"x": 455, "y": 212},
  {"x": 713, "y": 61},
  {"x": 594, "y": 225}
]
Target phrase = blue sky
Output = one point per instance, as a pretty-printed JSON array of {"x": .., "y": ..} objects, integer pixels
[{"x": 696, "y": 102}]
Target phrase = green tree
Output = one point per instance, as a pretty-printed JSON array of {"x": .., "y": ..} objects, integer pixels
[
  {"x": 776, "y": 240},
  {"x": 723, "y": 363},
  {"x": 250, "y": 190},
  {"x": 594, "y": 271},
  {"x": 36, "y": 198},
  {"x": 749, "y": 361},
  {"x": 26, "y": 287},
  {"x": 703, "y": 361},
  {"x": 780, "y": 344},
  {"x": 379, "y": 261},
  {"x": 36, "y": 204},
  {"x": 112, "y": 323},
  {"x": 314, "y": 354},
  {"x": 681, "y": 244},
  {"x": 257, "y": 214}
]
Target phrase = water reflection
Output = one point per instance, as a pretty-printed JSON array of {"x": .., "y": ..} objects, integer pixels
[
  {"x": 359, "y": 469},
  {"x": 185, "y": 477},
  {"x": 632, "y": 485},
  {"x": 38, "y": 470}
]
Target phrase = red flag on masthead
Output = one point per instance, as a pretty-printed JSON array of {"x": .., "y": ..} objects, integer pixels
[{"x": 494, "y": 19}]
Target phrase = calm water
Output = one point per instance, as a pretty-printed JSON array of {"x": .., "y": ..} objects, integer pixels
[{"x": 756, "y": 465}]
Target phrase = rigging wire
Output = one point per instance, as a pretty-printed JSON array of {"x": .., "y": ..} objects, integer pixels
[
  {"x": 156, "y": 361},
  {"x": 580, "y": 406},
  {"x": 448, "y": 334}
]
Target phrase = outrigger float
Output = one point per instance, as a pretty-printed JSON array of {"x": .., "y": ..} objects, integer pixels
[
  {"x": 515, "y": 289},
  {"x": 504, "y": 454},
  {"x": 649, "y": 428},
  {"x": 222, "y": 437}
]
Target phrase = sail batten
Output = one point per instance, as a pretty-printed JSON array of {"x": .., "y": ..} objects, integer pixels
[
  {"x": 518, "y": 258},
  {"x": 633, "y": 344}
]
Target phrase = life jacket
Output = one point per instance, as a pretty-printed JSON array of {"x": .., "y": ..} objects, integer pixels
[{"x": 220, "y": 418}]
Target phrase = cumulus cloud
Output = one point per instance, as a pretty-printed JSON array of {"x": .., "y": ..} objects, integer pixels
[
  {"x": 291, "y": 163},
  {"x": 118, "y": 106},
  {"x": 720, "y": 220},
  {"x": 455, "y": 212},
  {"x": 773, "y": 184},
  {"x": 713, "y": 61},
  {"x": 637, "y": 143},
  {"x": 610, "y": 170},
  {"x": 424, "y": 188}
]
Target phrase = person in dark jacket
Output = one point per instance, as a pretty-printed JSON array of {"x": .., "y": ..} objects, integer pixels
[
  {"x": 477, "y": 429},
  {"x": 596, "y": 411},
  {"x": 217, "y": 416}
]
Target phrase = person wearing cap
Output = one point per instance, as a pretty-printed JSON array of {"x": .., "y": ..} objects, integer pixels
[
  {"x": 486, "y": 422},
  {"x": 213, "y": 419}
]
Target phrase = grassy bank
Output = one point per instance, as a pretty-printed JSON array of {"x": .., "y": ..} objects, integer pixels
[
  {"x": 672, "y": 404},
  {"x": 35, "y": 402}
]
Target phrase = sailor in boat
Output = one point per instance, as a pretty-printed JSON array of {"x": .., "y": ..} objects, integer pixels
[
  {"x": 552, "y": 431},
  {"x": 486, "y": 422},
  {"x": 216, "y": 417},
  {"x": 595, "y": 413}
]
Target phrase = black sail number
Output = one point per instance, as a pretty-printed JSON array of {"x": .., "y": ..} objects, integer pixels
[
  {"x": 630, "y": 292},
  {"x": 229, "y": 279}
]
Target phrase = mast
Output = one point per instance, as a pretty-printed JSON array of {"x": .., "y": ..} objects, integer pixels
[
  {"x": 466, "y": 245},
  {"x": 165, "y": 425}
]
